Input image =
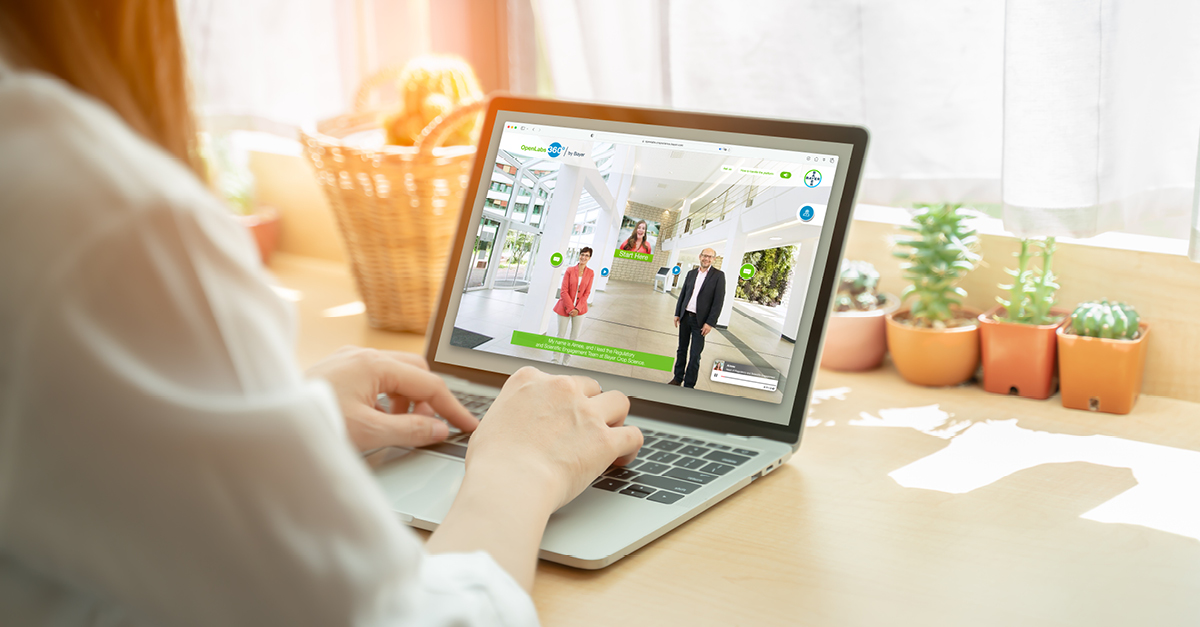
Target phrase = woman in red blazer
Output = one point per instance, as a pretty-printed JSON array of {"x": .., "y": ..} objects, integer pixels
[{"x": 572, "y": 300}]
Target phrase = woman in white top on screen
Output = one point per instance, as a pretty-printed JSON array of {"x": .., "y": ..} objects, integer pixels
[{"x": 162, "y": 459}]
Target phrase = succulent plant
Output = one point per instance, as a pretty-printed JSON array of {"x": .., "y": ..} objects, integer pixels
[
  {"x": 941, "y": 251},
  {"x": 228, "y": 171},
  {"x": 856, "y": 288},
  {"x": 1117, "y": 321},
  {"x": 431, "y": 86},
  {"x": 1031, "y": 294}
]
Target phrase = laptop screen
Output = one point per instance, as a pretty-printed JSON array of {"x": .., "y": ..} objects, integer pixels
[{"x": 676, "y": 265}]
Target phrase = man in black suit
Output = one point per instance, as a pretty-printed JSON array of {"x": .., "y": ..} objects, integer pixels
[{"x": 696, "y": 314}]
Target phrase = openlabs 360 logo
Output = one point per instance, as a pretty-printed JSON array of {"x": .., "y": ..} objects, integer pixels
[{"x": 555, "y": 150}]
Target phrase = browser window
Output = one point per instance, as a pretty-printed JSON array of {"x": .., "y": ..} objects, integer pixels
[{"x": 655, "y": 259}]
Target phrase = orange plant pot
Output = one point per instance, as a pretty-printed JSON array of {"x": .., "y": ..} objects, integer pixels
[
  {"x": 264, "y": 228},
  {"x": 934, "y": 357},
  {"x": 1099, "y": 374},
  {"x": 856, "y": 340},
  {"x": 1018, "y": 357}
]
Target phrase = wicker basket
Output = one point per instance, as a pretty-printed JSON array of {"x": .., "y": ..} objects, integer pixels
[{"x": 397, "y": 206}]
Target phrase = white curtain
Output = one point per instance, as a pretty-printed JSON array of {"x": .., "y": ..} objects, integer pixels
[
  {"x": 269, "y": 65},
  {"x": 1079, "y": 116}
]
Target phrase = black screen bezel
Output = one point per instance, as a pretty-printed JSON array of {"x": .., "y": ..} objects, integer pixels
[{"x": 854, "y": 136}]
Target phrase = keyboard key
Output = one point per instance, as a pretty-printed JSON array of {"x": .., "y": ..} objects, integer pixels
[
  {"x": 647, "y": 439},
  {"x": 663, "y": 457},
  {"x": 690, "y": 462},
  {"x": 634, "y": 492},
  {"x": 717, "y": 469},
  {"x": 720, "y": 447},
  {"x": 725, "y": 458},
  {"x": 633, "y": 464},
  {"x": 666, "y": 483},
  {"x": 456, "y": 450},
  {"x": 662, "y": 496},
  {"x": 644, "y": 451},
  {"x": 612, "y": 485},
  {"x": 691, "y": 440},
  {"x": 694, "y": 476},
  {"x": 745, "y": 451},
  {"x": 647, "y": 431},
  {"x": 666, "y": 446},
  {"x": 650, "y": 468},
  {"x": 669, "y": 436},
  {"x": 692, "y": 451},
  {"x": 621, "y": 473}
]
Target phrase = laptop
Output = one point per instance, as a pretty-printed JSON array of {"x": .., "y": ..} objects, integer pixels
[{"x": 767, "y": 201}]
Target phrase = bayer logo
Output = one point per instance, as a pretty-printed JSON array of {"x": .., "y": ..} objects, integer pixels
[
  {"x": 556, "y": 149},
  {"x": 812, "y": 178}
]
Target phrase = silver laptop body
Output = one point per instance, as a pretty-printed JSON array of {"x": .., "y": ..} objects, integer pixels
[{"x": 746, "y": 414}]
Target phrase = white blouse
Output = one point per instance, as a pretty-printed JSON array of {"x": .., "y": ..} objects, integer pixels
[{"x": 162, "y": 459}]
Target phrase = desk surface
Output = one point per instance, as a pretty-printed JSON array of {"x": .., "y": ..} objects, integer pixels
[{"x": 904, "y": 506}]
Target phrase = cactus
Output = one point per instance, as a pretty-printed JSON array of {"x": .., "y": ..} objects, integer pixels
[
  {"x": 1103, "y": 319},
  {"x": 942, "y": 251},
  {"x": 1031, "y": 294},
  {"x": 430, "y": 86},
  {"x": 856, "y": 288}
]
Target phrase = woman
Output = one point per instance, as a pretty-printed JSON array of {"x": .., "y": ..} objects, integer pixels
[
  {"x": 162, "y": 458},
  {"x": 573, "y": 300},
  {"x": 637, "y": 240}
]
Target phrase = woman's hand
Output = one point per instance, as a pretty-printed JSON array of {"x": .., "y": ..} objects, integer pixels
[
  {"x": 552, "y": 433},
  {"x": 574, "y": 312},
  {"x": 360, "y": 375},
  {"x": 544, "y": 440}
]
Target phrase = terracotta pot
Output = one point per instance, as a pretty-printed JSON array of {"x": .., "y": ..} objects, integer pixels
[
  {"x": 934, "y": 357},
  {"x": 264, "y": 227},
  {"x": 856, "y": 340},
  {"x": 1100, "y": 374},
  {"x": 1018, "y": 357}
]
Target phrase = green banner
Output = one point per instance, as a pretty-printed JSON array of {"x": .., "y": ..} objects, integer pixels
[
  {"x": 595, "y": 351},
  {"x": 629, "y": 254}
]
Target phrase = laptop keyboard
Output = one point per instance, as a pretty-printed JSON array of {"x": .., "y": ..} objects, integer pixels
[
  {"x": 668, "y": 467},
  {"x": 456, "y": 444}
]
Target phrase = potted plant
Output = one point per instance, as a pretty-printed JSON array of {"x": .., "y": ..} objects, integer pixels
[
  {"x": 855, "y": 339},
  {"x": 231, "y": 179},
  {"x": 1102, "y": 353},
  {"x": 1017, "y": 339},
  {"x": 936, "y": 341}
]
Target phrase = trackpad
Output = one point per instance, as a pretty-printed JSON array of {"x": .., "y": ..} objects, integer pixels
[{"x": 422, "y": 485}]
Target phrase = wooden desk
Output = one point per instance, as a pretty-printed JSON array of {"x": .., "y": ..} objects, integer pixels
[{"x": 832, "y": 539}]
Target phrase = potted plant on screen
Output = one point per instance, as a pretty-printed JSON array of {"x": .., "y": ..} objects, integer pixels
[
  {"x": 935, "y": 342},
  {"x": 1017, "y": 339},
  {"x": 856, "y": 339},
  {"x": 1102, "y": 354}
]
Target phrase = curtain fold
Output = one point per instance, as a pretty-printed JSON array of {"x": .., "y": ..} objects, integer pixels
[{"x": 1074, "y": 117}]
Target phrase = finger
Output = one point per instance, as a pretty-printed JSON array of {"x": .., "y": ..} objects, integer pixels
[
  {"x": 589, "y": 386},
  {"x": 613, "y": 407},
  {"x": 421, "y": 385},
  {"x": 425, "y": 409},
  {"x": 398, "y": 404},
  {"x": 625, "y": 441},
  {"x": 412, "y": 359},
  {"x": 409, "y": 429}
]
